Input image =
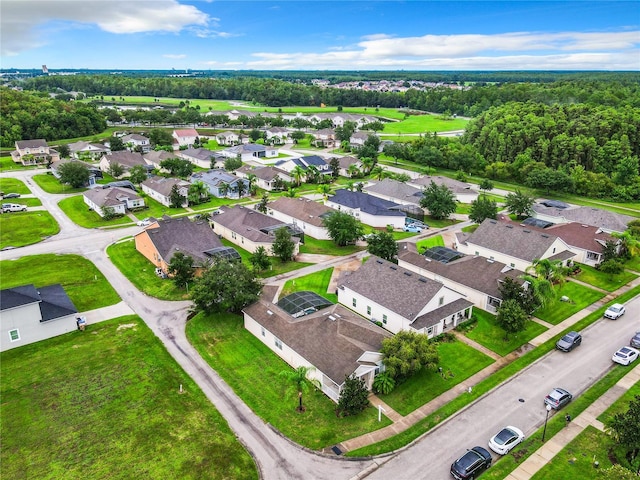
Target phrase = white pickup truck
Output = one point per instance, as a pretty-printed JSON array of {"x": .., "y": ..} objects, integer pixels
[{"x": 13, "y": 207}]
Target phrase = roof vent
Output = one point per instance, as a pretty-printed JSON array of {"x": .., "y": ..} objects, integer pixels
[
  {"x": 493, "y": 221},
  {"x": 332, "y": 318},
  {"x": 526, "y": 231},
  {"x": 544, "y": 235},
  {"x": 408, "y": 274},
  {"x": 509, "y": 226},
  {"x": 422, "y": 279},
  {"x": 269, "y": 312},
  {"x": 393, "y": 267},
  {"x": 379, "y": 261}
]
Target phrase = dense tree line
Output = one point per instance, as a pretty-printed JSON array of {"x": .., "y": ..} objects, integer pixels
[{"x": 27, "y": 115}]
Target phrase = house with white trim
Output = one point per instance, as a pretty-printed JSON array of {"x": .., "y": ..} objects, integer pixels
[
  {"x": 160, "y": 188},
  {"x": 306, "y": 214},
  {"x": 462, "y": 190},
  {"x": 118, "y": 199},
  {"x": 135, "y": 141},
  {"x": 222, "y": 184},
  {"x": 370, "y": 210},
  {"x": 266, "y": 177},
  {"x": 34, "y": 152},
  {"x": 185, "y": 137},
  {"x": 559, "y": 212},
  {"x": 87, "y": 151}
]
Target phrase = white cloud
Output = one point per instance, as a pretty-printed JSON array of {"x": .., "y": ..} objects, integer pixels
[
  {"x": 174, "y": 55},
  {"x": 24, "y": 22}
]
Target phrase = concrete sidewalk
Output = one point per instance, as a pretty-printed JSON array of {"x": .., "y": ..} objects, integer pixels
[
  {"x": 555, "y": 444},
  {"x": 107, "y": 313}
]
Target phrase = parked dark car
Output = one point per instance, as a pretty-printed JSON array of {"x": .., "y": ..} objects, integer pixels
[
  {"x": 471, "y": 464},
  {"x": 570, "y": 341},
  {"x": 635, "y": 340},
  {"x": 558, "y": 398},
  {"x": 11, "y": 195}
]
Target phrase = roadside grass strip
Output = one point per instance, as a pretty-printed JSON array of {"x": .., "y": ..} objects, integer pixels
[{"x": 604, "y": 281}]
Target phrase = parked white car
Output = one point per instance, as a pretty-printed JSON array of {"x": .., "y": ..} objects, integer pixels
[
  {"x": 507, "y": 438},
  {"x": 615, "y": 311},
  {"x": 625, "y": 355}
]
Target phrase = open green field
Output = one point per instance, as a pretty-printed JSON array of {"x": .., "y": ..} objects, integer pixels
[
  {"x": 105, "y": 404},
  {"x": 87, "y": 288},
  {"x": 458, "y": 361},
  {"x": 79, "y": 213},
  {"x": 13, "y": 185},
  {"x": 487, "y": 332},
  {"x": 604, "y": 281},
  {"x": 316, "y": 282},
  {"x": 579, "y": 298},
  {"x": 18, "y": 229},
  {"x": 424, "y": 124},
  {"x": 253, "y": 371},
  {"x": 51, "y": 184}
]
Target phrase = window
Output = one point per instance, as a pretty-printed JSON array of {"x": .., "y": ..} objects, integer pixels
[
  {"x": 512, "y": 265},
  {"x": 384, "y": 318},
  {"x": 368, "y": 310},
  {"x": 477, "y": 253},
  {"x": 353, "y": 302},
  {"x": 262, "y": 331},
  {"x": 441, "y": 301},
  {"x": 278, "y": 343},
  {"x": 14, "y": 335},
  {"x": 429, "y": 331}
]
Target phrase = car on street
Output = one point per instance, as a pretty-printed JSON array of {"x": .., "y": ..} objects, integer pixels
[
  {"x": 615, "y": 311},
  {"x": 412, "y": 228},
  {"x": 471, "y": 464},
  {"x": 558, "y": 398},
  {"x": 570, "y": 341},
  {"x": 11, "y": 195},
  {"x": 635, "y": 340},
  {"x": 13, "y": 207},
  {"x": 625, "y": 355},
  {"x": 507, "y": 438}
]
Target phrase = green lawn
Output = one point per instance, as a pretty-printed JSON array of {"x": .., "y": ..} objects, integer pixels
[
  {"x": 13, "y": 185},
  {"x": 141, "y": 272},
  {"x": 316, "y": 282},
  {"x": 435, "y": 241},
  {"x": 601, "y": 280},
  {"x": 83, "y": 282},
  {"x": 51, "y": 184},
  {"x": 579, "y": 298},
  {"x": 79, "y": 213},
  {"x": 18, "y": 229},
  {"x": 7, "y": 163},
  {"x": 621, "y": 405},
  {"x": 153, "y": 208},
  {"x": 458, "y": 361},
  {"x": 326, "y": 247},
  {"x": 29, "y": 202},
  {"x": 633, "y": 263},
  {"x": 487, "y": 332},
  {"x": 252, "y": 370},
  {"x": 423, "y": 124},
  {"x": 106, "y": 404}
]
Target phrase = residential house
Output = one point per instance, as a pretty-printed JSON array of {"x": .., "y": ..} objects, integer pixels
[
  {"x": 29, "y": 314},
  {"x": 319, "y": 163},
  {"x": 136, "y": 142},
  {"x": 461, "y": 190},
  {"x": 161, "y": 240},
  {"x": 401, "y": 299},
  {"x": 185, "y": 137},
  {"x": 397, "y": 192},
  {"x": 324, "y": 138},
  {"x": 87, "y": 151},
  {"x": 94, "y": 172},
  {"x": 34, "y": 152},
  {"x": 156, "y": 157},
  {"x": 478, "y": 279},
  {"x": 559, "y": 212},
  {"x": 119, "y": 200},
  {"x": 250, "y": 229},
  {"x": 305, "y": 214},
  {"x": 278, "y": 135},
  {"x": 266, "y": 177},
  {"x": 339, "y": 119},
  {"x": 345, "y": 164},
  {"x": 227, "y": 138},
  {"x": 202, "y": 157},
  {"x": 513, "y": 245},
  {"x": 251, "y": 152},
  {"x": 334, "y": 342},
  {"x": 126, "y": 159},
  {"x": 222, "y": 184},
  {"x": 357, "y": 139},
  {"x": 160, "y": 188},
  {"x": 370, "y": 210}
]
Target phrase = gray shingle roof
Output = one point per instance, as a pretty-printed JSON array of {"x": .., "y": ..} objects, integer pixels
[
  {"x": 125, "y": 158},
  {"x": 164, "y": 185},
  {"x": 109, "y": 197},
  {"x": 395, "y": 288},
  {"x": 397, "y": 190},
  {"x": 247, "y": 222},
  {"x": 302, "y": 209},
  {"x": 454, "y": 185},
  {"x": 53, "y": 300},
  {"x": 22, "y": 144},
  {"x": 366, "y": 203},
  {"x": 615, "y": 222}
]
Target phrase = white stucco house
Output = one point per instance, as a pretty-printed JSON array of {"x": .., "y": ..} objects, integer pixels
[
  {"x": 305, "y": 214},
  {"x": 159, "y": 188},
  {"x": 118, "y": 199},
  {"x": 370, "y": 210}
]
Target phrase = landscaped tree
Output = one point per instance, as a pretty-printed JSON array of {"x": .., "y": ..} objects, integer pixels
[
  {"x": 260, "y": 259},
  {"x": 625, "y": 430},
  {"x": 353, "y": 396},
  {"x": 298, "y": 173},
  {"x": 439, "y": 200},
  {"x": 138, "y": 174},
  {"x": 486, "y": 185},
  {"x": 343, "y": 228},
  {"x": 408, "y": 352},
  {"x": 231, "y": 164},
  {"x": 160, "y": 136},
  {"x": 299, "y": 381},
  {"x": 283, "y": 246},
  {"x": 384, "y": 383},
  {"x": 75, "y": 174},
  {"x": 63, "y": 150},
  {"x": 334, "y": 163},
  {"x": 262, "y": 204},
  {"x": 115, "y": 170},
  {"x": 378, "y": 172},
  {"x": 225, "y": 287},
  {"x": 176, "y": 199},
  {"x": 297, "y": 135},
  {"x": 617, "y": 472},
  {"x": 519, "y": 203},
  {"x": 482, "y": 208},
  {"x": 181, "y": 269},
  {"x": 511, "y": 317},
  {"x": 178, "y": 167},
  {"x": 542, "y": 289},
  {"x": 116, "y": 144},
  {"x": 198, "y": 192},
  {"x": 383, "y": 245},
  {"x": 510, "y": 289},
  {"x": 325, "y": 189}
]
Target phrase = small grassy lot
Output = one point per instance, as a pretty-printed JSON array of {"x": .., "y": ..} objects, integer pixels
[
  {"x": 621, "y": 405},
  {"x": 463, "y": 208},
  {"x": 326, "y": 247},
  {"x": 79, "y": 213},
  {"x": 316, "y": 282},
  {"x": 13, "y": 185},
  {"x": 51, "y": 184},
  {"x": 604, "y": 281},
  {"x": 141, "y": 272},
  {"x": 71, "y": 413},
  {"x": 29, "y": 202},
  {"x": 458, "y": 361},
  {"x": 6, "y": 164},
  {"x": 84, "y": 283},
  {"x": 252, "y": 370},
  {"x": 18, "y": 229},
  {"x": 435, "y": 241},
  {"x": 487, "y": 333},
  {"x": 579, "y": 298},
  {"x": 633, "y": 264},
  {"x": 423, "y": 124}
]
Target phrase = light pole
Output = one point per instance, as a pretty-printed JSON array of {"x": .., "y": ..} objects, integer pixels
[{"x": 544, "y": 431}]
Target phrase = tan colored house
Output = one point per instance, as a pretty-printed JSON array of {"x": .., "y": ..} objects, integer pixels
[
  {"x": 119, "y": 200},
  {"x": 160, "y": 188},
  {"x": 34, "y": 152},
  {"x": 305, "y": 214}
]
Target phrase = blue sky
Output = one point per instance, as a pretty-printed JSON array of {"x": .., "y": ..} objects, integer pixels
[{"x": 315, "y": 35}]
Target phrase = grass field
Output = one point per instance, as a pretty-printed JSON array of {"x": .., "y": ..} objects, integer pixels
[
  {"x": 79, "y": 213},
  {"x": 579, "y": 298},
  {"x": 604, "y": 281},
  {"x": 13, "y": 185},
  {"x": 326, "y": 247},
  {"x": 105, "y": 404},
  {"x": 51, "y": 184},
  {"x": 253, "y": 371},
  {"x": 316, "y": 282},
  {"x": 18, "y": 229},
  {"x": 458, "y": 361},
  {"x": 84, "y": 283}
]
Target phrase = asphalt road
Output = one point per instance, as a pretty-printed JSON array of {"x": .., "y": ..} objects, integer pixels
[{"x": 575, "y": 371}]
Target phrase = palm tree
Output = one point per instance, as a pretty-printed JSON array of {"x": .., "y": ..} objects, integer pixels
[
  {"x": 550, "y": 270},
  {"x": 353, "y": 170},
  {"x": 298, "y": 378},
  {"x": 291, "y": 192},
  {"x": 378, "y": 172},
  {"x": 298, "y": 173},
  {"x": 325, "y": 189},
  {"x": 542, "y": 289},
  {"x": 628, "y": 245},
  {"x": 224, "y": 189},
  {"x": 252, "y": 183},
  {"x": 241, "y": 187},
  {"x": 368, "y": 163},
  {"x": 197, "y": 191},
  {"x": 350, "y": 185}
]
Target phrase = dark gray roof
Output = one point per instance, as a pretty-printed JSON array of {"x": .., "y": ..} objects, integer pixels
[
  {"x": 434, "y": 317},
  {"x": 346, "y": 162},
  {"x": 455, "y": 186},
  {"x": 53, "y": 300},
  {"x": 173, "y": 235},
  {"x": 332, "y": 339},
  {"x": 202, "y": 154},
  {"x": 109, "y": 197},
  {"x": 22, "y": 144},
  {"x": 367, "y": 203},
  {"x": 18, "y": 296},
  {"x": 395, "y": 288},
  {"x": 396, "y": 190},
  {"x": 315, "y": 160}
]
